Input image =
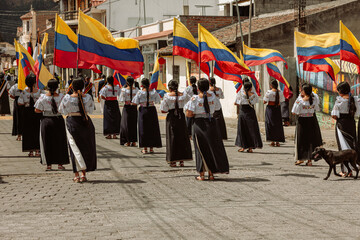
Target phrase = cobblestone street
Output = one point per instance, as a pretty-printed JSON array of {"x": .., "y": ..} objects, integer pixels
[{"x": 132, "y": 196}]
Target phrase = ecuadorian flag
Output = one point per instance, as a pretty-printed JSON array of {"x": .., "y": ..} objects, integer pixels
[
  {"x": 316, "y": 46},
  {"x": 274, "y": 72},
  {"x": 349, "y": 46},
  {"x": 155, "y": 82},
  {"x": 227, "y": 76},
  {"x": 211, "y": 49},
  {"x": 96, "y": 45},
  {"x": 259, "y": 56},
  {"x": 42, "y": 74},
  {"x": 322, "y": 65},
  {"x": 25, "y": 66},
  {"x": 119, "y": 78}
]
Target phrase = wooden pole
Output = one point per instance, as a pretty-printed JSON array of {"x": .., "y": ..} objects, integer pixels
[
  {"x": 241, "y": 32},
  {"x": 199, "y": 39},
  {"x": 250, "y": 17}
]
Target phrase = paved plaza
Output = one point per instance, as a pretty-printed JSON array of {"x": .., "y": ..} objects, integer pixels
[{"x": 132, "y": 196}]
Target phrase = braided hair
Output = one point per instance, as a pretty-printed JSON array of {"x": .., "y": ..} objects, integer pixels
[
  {"x": 52, "y": 85},
  {"x": 110, "y": 80},
  {"x": 30, "y": 81},
  {"x": 173, "y": 86},
  {"x": 213, "y": 83},
  {"x": 307, "y": 88},
  {"x": 130, "y": 83},
  {"x": 344, "y": 88},
  {"x": 274, "y": 84},
  {"x": 146, "y": 84},
  {"x": 203, "y": 85},
  {"x": 78, "y": 85},
  {"x": 247, "y": 88},
  {"x": 193, "y": 84}
]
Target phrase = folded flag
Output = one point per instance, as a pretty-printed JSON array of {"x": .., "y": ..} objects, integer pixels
[
  {"x": 25, "y": 66},
  {"x": 316, "y": 46},
  {"x": 274, "y": 72},
  {"x": 155, "y": 82},
  {"x": 227, "y": 76},
  {"x": 259, "y": 56},
  {"x": 322, "y": 65},
  {"x": 96, "y": 45},
  {"x": 237, "y": 86},
  {"x": 119, "y": 79},
  {"x": 211, "y": 49},
  {"x": 65, "y": 48},
  {"x": 42, "y": 73},
  {"x": 29, "y": 48},
  {"x": 349, "y": 46},
  {"x": 16, "y": 52}
]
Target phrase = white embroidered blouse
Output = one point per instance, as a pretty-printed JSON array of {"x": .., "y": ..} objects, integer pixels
[
  {"x": 341, "y": 106},
  {"x": 107, "y": 91},
  {"x": 24, "y": 98},
  {"x": 168, "y": 102},
  {"x": 125, "y": 94},
  {"x": 304, "y": 109},
  {"x": 140, "y": 98},
  {"x": 270, "y": 96},
  {"x": 219, "y": 93},
  {"x": 196, "y": 105},
  {"x": 70, "y": 104},
  {"x": 44, "y": 102},
  {"x": 189, "y": 91},
  {"x": 14, "y": 91},
  {"x": 241, "y": 99}
]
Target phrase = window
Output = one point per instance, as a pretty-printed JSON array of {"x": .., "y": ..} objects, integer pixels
[
  {"x": 27, "y": 26},
  {"x": 176, "y": 73}
]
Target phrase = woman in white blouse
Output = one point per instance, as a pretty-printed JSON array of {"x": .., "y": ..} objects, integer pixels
[
  {"x": 80, "y": 130},
  {"x": 210, "y": 152},
  {"x": 178, "y": 147},
  {"x": 190, "y": 91},
  {"x": 17, "y": 112},
  {"x": 128, "y": 126},
  {"x": 53, "y": 142},
  {"x": 343, "y": 112},
  {"x": 248, "y": 133},
  {"x": 273, "y": 121},
  {"x": 112, "y": 116},
  {"x": 218, "y": 115},
  {"x": 149, "y": 130},
  {"x": 31, "y": 123},
  {"x": 308, "y": 135}
]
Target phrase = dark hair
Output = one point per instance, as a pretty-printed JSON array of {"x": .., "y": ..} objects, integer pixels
[
  {"x": 103, "y": 76},
  {"x": 203, "y": 85},
  {"x": 78, "y": 86},
  {"x": 137, "y": 85},
  {"x": 52, "y": 85},
  {"x": 146, "y": 84},
  {"x": 213, "y": 83},
  {"x": 30, "y": 81},
  {"x": 246, "y": 79},
  {"x": 247, "y": 87},
  {"x": 307, "y": 88},
  {"x": 71, "y": 76},
  {"x": 110, "y": 80},
  {"x": 174, "y": 85},
  {"x": 1, "y": 76},
  {"x": 130, "y": 83},
  {"x": 274, "y": 84},
  {"x": 193, "y": 84},
  {"x": 344, "y": 88}
]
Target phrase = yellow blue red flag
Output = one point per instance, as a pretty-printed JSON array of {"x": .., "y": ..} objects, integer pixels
[
  {"x": 119, "y": 78},
  {"x": 322, "y": 65},
  {"x": 96, "y": 45},
  {"x": 155, "y": 82},
  {"x": 349, "y": 46},
  {"x": 25, "y": 66},
  {"x": 42, "y": 73},
  {"x": 259, "y": 56},
  {"x": 274, "y": 72}
]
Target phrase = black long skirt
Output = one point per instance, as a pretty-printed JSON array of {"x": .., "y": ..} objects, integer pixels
[
  {"x": 53, "y": 141},
  {"x": 220, "y": 123},
  {"x": 112, "y": 117},
  {"x": 308, "y": 137},
  {"x": 149, "y": 130},
  {"x": 17, "y": 118},
  {"x": 81, "y": 139},
  {"x": 347, "y": 127},
  {"x": 285, "y": 114},
  {"x": 178, "y": 147},
  {"x": 31, "y": 130},
  {"x": 128, "y": 126},
  {"x": 248, "y": 133},
  {"x": 4, "y": 103},
  {"x": 273, "y": 124},
  {"x": 210, "y": 152},
  {"x": 189, "y": 124}
]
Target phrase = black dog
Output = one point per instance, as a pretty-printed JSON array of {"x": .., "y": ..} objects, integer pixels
[{"x": 332, "y": 158}]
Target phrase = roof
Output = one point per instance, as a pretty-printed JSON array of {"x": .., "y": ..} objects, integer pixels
[
  {"x": 95, "y": 3},
  {"x": 26, "y": 16},
  {"x": 154, "y": 35}
]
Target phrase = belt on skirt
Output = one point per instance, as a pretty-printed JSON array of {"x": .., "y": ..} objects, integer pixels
[
  {"x": 50, "y": 114},
  {"x": 77, "y": 114},
  {"x": 111, "y": 98},
  {"x": 151, "y": 104},
  {"x": 203, "y": 115},
  {"x": 270, "y": 103}
]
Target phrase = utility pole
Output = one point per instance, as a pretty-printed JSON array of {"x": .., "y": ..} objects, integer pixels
[
  {"x": 250, "y": 16},
  {"x": 241, "y": 33},
  {"x": 109, "y": 15},
  {"x": 144, "y": 13}
]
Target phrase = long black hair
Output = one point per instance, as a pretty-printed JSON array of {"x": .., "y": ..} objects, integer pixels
[
  {"x": 30, "y": 81},
  {"x": 344, "y": 88},
  {"x": 130, "y": 83},
  {"x": 247, "y": 88},
  {"x": 307, "y": 88},
  {"x": 274, "y": 84},
  {"x": 213, "y": 83},
  {"x": 193, "y": 84},
  {"x": 146, "y": 84},
  {"x": 52, "y": 85},
  {"x": 204, "y": 85},
  {"x": 110, "y": 80},
  {"x": 173, "y": 86},
  {"x": 78, "y": 85}
]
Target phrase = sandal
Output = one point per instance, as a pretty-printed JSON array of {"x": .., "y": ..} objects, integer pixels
[
  {"x": 127, "y": 144},
  {"x": 18, "y": 138},
  {"x": 48, "y": 168},
  {"x": 133, "y": 144},
  {"x": 181, "y": 164},
  {"x": 278, "y": 144},
  {"x": 108, "y": 137},
  {"x": 211, "y": 178},
  {"x": 76, "y": 179},
  {"x": 37, "y": 154},
  {"x": 83, "y": 179},
  {"x": 115, "y": 137},
  {"x": 173, "y": 164},
  {"x": 200, "y": 178},
  {"x": 309, "y": 164},
  {"x": 298, "y": 162},
  {"x": 349, "y": 174},
  {"x": 61, "y": 167},
  {"x": 31, "y": 154},
  {"x": 241, "y": 150},
  {"x": 144, "y": 151},
  {"x": 272, "y": 144},
  {"x": 342, "y": 174},
  {"x": 250, "y": 151},
  {"x": 151, "y": 151}
]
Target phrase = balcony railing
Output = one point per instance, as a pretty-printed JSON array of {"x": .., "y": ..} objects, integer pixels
[{"x": 71, "y": 15}]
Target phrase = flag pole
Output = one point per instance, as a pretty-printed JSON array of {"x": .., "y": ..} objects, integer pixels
[
  {"x": 199, "y": 39},
  {"x": 77, "y": 53}
]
